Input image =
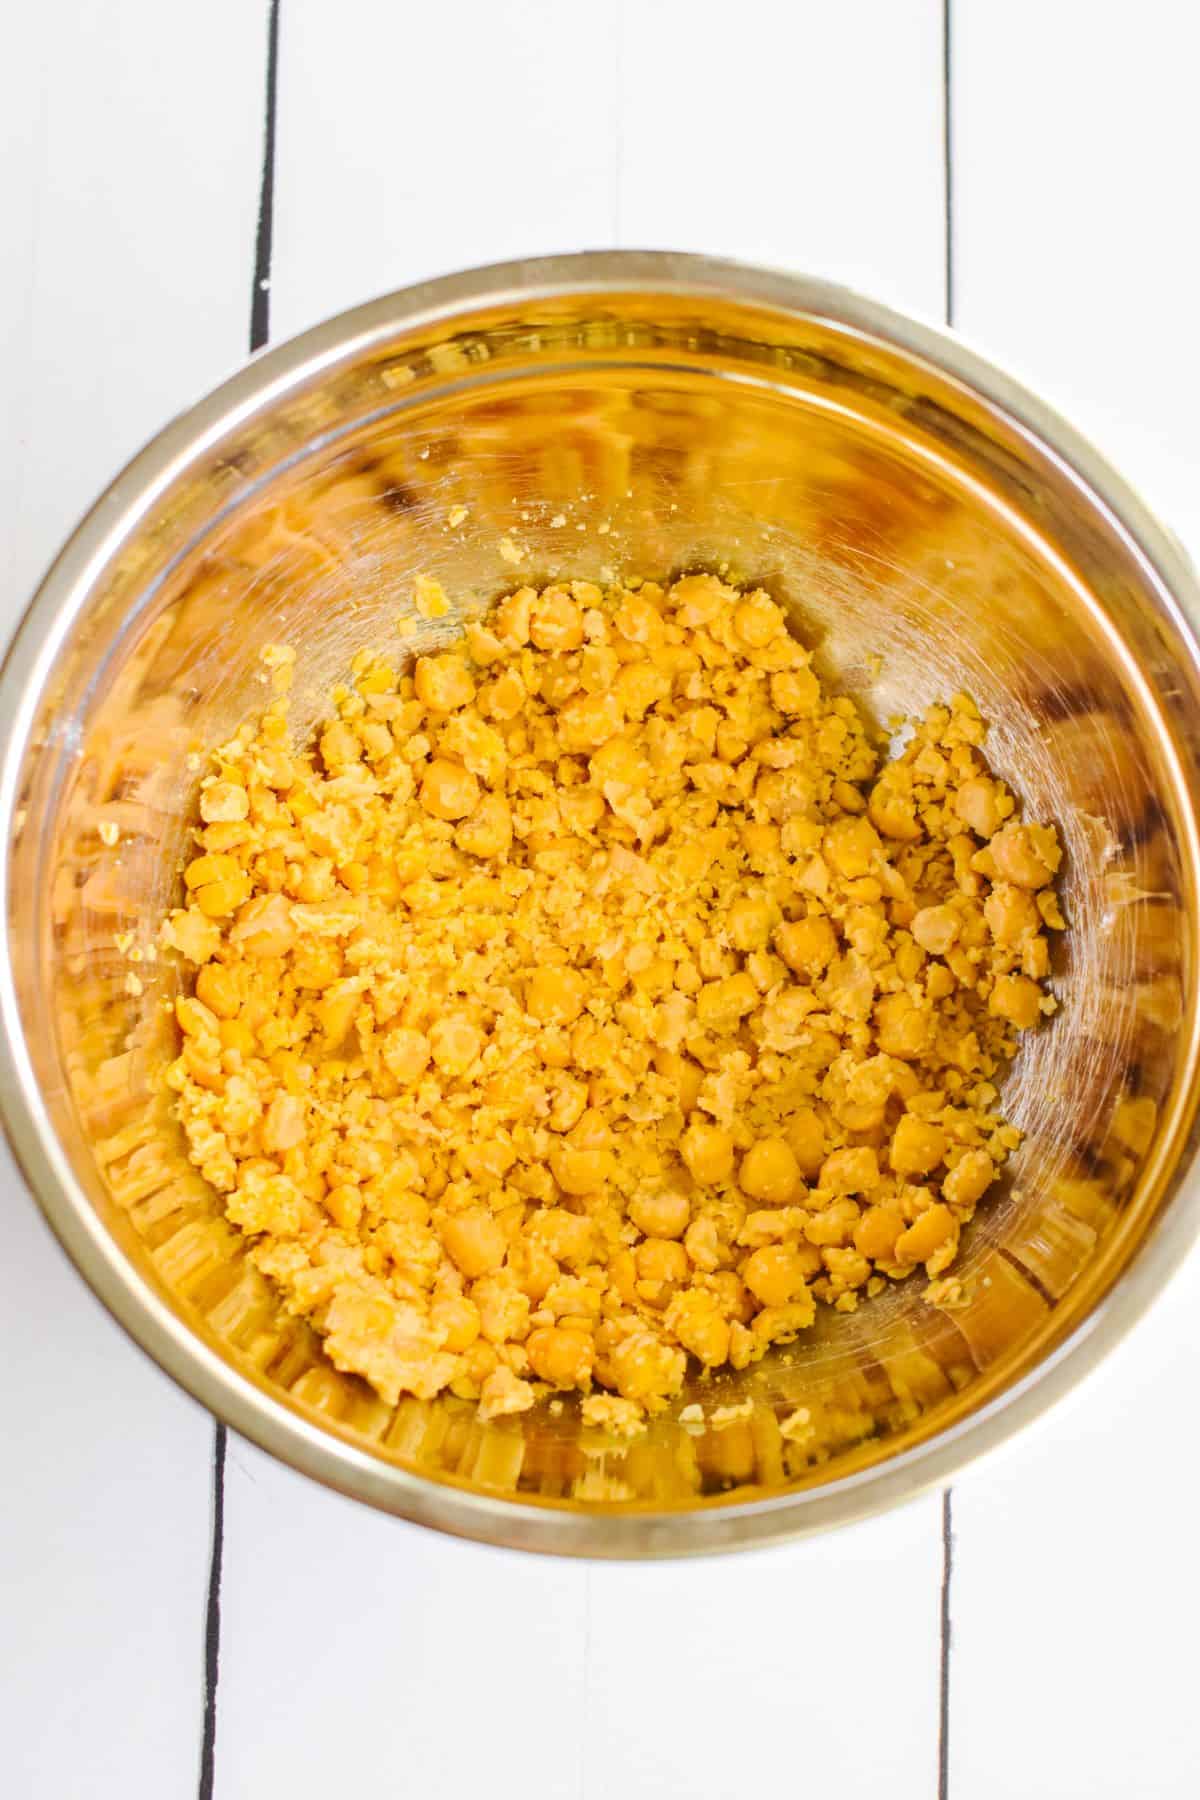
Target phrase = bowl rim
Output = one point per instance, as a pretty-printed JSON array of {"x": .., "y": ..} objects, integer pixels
[{"x": 163, "y": 1335}]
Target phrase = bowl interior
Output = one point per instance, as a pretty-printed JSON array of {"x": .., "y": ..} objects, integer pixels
[{"x": 922, "y": 539}]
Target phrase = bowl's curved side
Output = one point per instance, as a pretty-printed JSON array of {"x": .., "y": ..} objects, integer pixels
[{"x": 1159, "y": 674}]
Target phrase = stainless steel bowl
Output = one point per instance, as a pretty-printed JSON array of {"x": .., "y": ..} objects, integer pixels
[{"x": 929, "y": 524}]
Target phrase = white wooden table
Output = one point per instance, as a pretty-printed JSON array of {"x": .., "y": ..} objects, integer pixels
[{"x": 356, "y": 1655}]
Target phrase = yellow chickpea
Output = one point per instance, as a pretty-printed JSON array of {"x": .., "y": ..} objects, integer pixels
[
  {"x": 639, "y": 686},
  {"x": 194, "y": 936},
  {"x": 454, "y": 1043},
  {"x": 206, "y": 869},
  {"x": 224, "y": 801},
  {"x": 561, "y": 1356},
  {"x": 458, "y": 1318},
  {"x": 748, "y": 923},
  {"x": 969, "y": 1179},
  {"x": 590, "y": 721},
  {"x": 195, "y": 1018},
  {"x": 795, "y": 692},
  {"x": 708, "y": 1152},
  {"x": 485, "y": 647},
  {"x": 935, "y": 929},
  {"x": 734, "y": 1297},
  {"x": 240, "y": 1107},
  {"x": 227, "y": 836},
  {"x": 760, "y": 840},
  {"x": 623, "y": 1277},
  {"x": 315, "y": 881},
  {"x": 806, "y": 1140},
  {"x": 977, "y": 804},
  {"x": 474, "y": 1241},
  {"x": 698, "y": 1322},
  {"x": 503, "y": 1309},
  {"x": 339, "y": 747},
  {"x": 917, "y": 1146},
  {"x": 354, "y": 877},
  {"x": 684, "y": 1075},
  {"x": 661, "y": 1260},
  {"x": 877, "y": 1230},
  {"x": 406, "y": 1054},
  {"x": 503, "y": 698},
  {"x": 722, "y": 1005},
  {"x": 275, "y": 768},
  {"x": 555, "y": 995},
  {"x": 555, "y": 621},
  {"x": 591, "y": 1131},
  {"x": 773, "y": 1274},
  {"x": 927, "y": 1234},
  {"x": 645, "y": 1368},
  {"x": 852, "y": 846},
  {"x": 443, "y": 683},
  {"x": 217, "y": 899},
  {"x": 582, "y": 808},
  {"x": 699, "y": 598},
  {"x": 757, "y": 620},
  {"x": 533, "y": 1268},
  {"x": 283, "y": 1126},
  {"x": 317, "y": 964},
  {"x": 1017, "y": 999},
  {"x": 1011, "y": 913},
  {"x": 892, "y": 807},
  {"x": 770, "y": 1172},
  {"x": 488, "y": 831},
  {"x": 237, "y": 1035},
  {"x": 568, "y": 1237},
  {"x": 902, "y": 1028},
  {"x": 807, "y": 946},
  {"x": 834, "y": 1225},
  {"x": 344, "y": 1204},
  {"x": 1026, "y": 855},
  {"x": 852, "y": 1171},
  {"x": 217, "y": 987},
  {"x": 376, "y": 739},
  {"x": 569, "y": 1103},
  {"x": 638, "y": 620},
  {"x": 579, "y": 1172},
  {"x": 448, "y": 791},
  {"x": 664, "y": 1213},
  {"x": 264, "y": 926},
  {"x": 511, "y": 617}
]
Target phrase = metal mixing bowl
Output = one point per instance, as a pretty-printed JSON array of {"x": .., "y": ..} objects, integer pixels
[{"x": 930, "y": 526}]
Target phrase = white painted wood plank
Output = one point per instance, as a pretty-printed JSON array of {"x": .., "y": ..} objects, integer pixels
[
  {"x": 363, "y": 1655},
  {"x": 807, "y": 136},
  {"x": 1077, "y": 1584},
  {"x": 808, "y": 1669},
  {"x": 353, "y": 1646},
  {"x": 356, "y": 1648},
  {"x": 132, "y": 169},
  {"x": 128, "y": 180},
  {"x": 416, "y": 140},
  {"x": 1076, "y": 1572},
  {"x": 1076, "y": 148}
]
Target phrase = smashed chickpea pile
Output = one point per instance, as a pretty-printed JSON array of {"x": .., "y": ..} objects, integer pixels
[{"x": 592, "y": 996}]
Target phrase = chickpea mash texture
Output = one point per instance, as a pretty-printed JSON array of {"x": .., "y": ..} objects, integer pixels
[{"x": 595, "y": 995}]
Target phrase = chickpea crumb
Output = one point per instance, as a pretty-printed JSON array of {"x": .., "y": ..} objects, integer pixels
[{"x": 592, "y": 995}]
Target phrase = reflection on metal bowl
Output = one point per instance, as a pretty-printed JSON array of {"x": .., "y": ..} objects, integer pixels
[{"x": 929, "y": 526}]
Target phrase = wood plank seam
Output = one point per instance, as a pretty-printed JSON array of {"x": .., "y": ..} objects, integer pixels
[
  {"x": 945, "y": 1636},
  {"x": 260, "y": 331}
]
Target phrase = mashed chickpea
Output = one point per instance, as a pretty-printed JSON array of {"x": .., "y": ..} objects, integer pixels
[{"x": 591, "y": 996}]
